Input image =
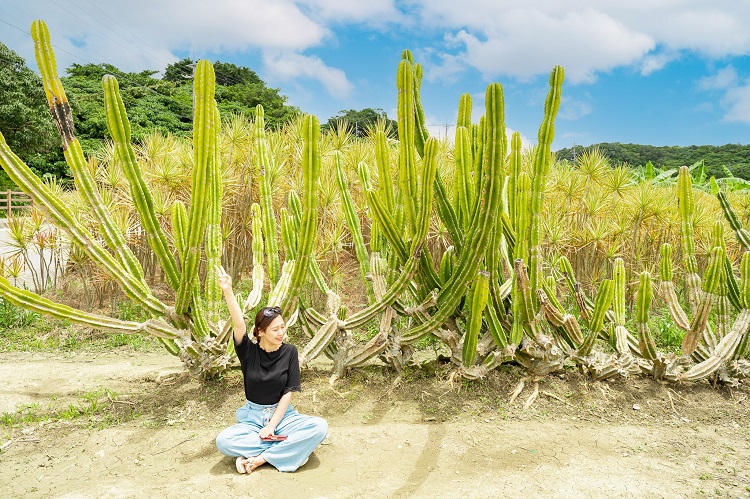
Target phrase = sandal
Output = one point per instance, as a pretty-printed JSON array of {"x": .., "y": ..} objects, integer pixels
[{"x": 245, "y": 465}]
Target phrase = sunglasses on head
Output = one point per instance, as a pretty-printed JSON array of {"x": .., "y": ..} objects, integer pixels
[{"x": 271, "y": 311}]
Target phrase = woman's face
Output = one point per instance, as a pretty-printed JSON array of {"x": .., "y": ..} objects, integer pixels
[{"x": 273, "y": 335}]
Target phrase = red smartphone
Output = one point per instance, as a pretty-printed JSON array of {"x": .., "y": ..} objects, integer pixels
[{"x": 274, "y": 438}]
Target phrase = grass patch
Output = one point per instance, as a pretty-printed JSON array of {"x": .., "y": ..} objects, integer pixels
[
  {"x": 13, "y": 316},
  {"x": 667, "y": 336},
  {"x": 92, "y": 404},
  {"x": 45, "y": 334}
]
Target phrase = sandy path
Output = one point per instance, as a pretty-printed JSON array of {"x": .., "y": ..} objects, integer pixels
[{"x": 373, "y": 449}]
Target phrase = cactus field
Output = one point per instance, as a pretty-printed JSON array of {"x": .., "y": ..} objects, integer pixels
[{"x": 492, "y": 253}]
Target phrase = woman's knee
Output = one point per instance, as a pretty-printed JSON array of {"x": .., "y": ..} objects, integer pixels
[
  {"x": 223, "y": 442},
  {"x": 321, "y": 427}
]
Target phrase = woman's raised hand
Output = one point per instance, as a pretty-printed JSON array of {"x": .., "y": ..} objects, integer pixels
[{"x": 225, "y": 280}]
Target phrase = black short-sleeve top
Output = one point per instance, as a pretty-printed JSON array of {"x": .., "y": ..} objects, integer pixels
[{"x": 268, "y": 375}]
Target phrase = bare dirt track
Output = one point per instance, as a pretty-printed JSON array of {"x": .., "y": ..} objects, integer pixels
[{"x": 151, "y": 434}]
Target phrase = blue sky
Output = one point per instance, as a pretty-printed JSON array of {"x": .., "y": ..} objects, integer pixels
[{"x": 659, "y": 72}]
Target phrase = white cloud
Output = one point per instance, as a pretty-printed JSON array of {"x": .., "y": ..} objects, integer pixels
[
  {"x": 655, "y": 62},
  {"x": 228, "y": 25},
  {"x": 446, "y": 70},
  {"x": 723, "y": 79},
  {"x": 290, "y": 66},
  {"x": 528, "y": 42},
  {"x": 373, "y": 12},
  {"x": 524, "y": 39},
  {"x": 737, "y": 100},
  {"x": 573, "y": 109},
  {"x": 709, "y": 30},
  {"x": 120, "y": 33}
]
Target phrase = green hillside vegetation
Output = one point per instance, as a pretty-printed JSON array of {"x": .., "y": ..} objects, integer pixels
[
  {"x": 735, "y": 157},
  {"x": 154, "y": 104}
]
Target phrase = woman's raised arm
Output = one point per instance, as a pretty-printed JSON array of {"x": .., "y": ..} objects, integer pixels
[{"x": 225, "y": 283}]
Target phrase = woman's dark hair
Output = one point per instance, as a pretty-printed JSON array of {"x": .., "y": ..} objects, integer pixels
[{"x": 263, "y": 319}]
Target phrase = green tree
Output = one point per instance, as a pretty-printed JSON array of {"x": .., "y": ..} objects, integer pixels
[
  {"x": 25, "y": 120},
  {"x": 153, "y": 104},
  {"x": 238, "y": 90},
  {"x": 363, "y": 120},
  {"x": 180, "y": 72}
]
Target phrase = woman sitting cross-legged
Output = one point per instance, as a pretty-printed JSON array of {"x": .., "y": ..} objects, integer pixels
[{"x": 271, "y": 373}]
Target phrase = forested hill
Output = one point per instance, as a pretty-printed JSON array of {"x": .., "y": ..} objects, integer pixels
[
  {"x": 154, "y": 104},
  {"x": 736, "y": 157}
]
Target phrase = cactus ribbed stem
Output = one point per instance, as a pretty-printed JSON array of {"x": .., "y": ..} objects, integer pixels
[
  {"x": 213, "y": 243},
  {"x": 22, "y": 175},
  {"x": 119, "y": 129},
  {"x": 288, "y": 234},
  {"x": 309, "y": 220},
  {"x": 686, "y": 209},
  {"x": 74, "y": 157},
  {"x": 124, "y": 266},
  {"x": 541, "y": 170},
  {"x": 179, "y": 227},
  {"x": 397, "y": 287},
  {"x": 643, "y": 300},
  {"x": 204, "y": 142},
  {"x": 352, "y": 221},
  {"x": 477, "y": 301},
  {"x": 667, "y": 291},
  {"x": 726, "y": 348},
  {"x": 603, "y": 300},
  {"x": 713, "y": 274},
  {"x": 446, "y": 212},
  {"x": 256, "y": 226},
  {"x": 407, "y": 160},
  {"x": 618, "y": 301},
  {"x": 743, "y": 236},
  {"x": 463, "y": 182},
  {"x": 745, "y": 280},
  {"x": 36, "y": 303},
  {"x": 262, "y": 172}
]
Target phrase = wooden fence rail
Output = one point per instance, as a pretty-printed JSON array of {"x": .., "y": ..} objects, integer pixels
[{"x": 13, "y": 200}]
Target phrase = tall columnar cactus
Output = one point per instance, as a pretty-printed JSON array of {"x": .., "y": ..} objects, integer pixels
[
  {"x": 539, "y": 181},
  {"x": 643, "y": 308},
  {"x": 184, "y": 328},
  {"x": 118, "y": 264},
  {"x": 478, "y": 234},
  {"x": 352, "y": 221},
  {"x": 309, "y": 220},
  {"x": 253, "y": 298},
  {"x": 686, "y": 208},
  {"x": 407, "y": 160},
  {"x": 262, "y": 172},
  {"x": 667, "y": 290},
  {"x": 620, "y": 339},
  {"x": 710, "y": 287},
  {"x": 604, "y": 298},
  {"x": 204, "y": 144}
]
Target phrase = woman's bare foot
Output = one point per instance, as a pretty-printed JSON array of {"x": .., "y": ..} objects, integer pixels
[{"x": 248, "y": 465}]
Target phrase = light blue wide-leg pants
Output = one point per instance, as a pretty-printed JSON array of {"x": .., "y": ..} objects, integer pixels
[{"x": 304, "y": 434}]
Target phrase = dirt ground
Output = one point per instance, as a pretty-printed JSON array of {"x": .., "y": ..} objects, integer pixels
[{"x": 144, "y": 428}]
